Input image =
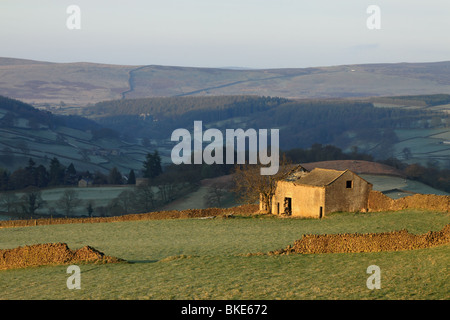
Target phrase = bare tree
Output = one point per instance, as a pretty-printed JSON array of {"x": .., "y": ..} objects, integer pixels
[
  {"x": 406, "y": 153},
  {"x": 250, "y": 186},
  {"x": 9, "y": 202},
  {"x": 215, "y": 194},
  {"x": 69, "y": 201},
  {"x": 126, "y": 200},
  {"x": 31, "y": 201},
  {"x": 166, "y": 185},
  {"x": 145, "y": 198},
  {"x": 90, "y": 207}
]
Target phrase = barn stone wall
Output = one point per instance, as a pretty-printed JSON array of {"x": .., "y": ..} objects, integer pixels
[
  {"x": 340, "y": 198},
  {"x": 306, "y": 200}
]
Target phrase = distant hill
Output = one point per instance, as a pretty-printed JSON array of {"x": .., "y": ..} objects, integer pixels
[
  {"x": 27, "y": 132},
  {"x": 79, "y": 84},
  {"x": 413, "y": 128}
]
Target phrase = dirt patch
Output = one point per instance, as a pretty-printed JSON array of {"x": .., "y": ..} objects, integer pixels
[
  {"x": 380, "y": 202},
  {"x": 50, "y": 254},
  {"x": 368, "y": 242}
]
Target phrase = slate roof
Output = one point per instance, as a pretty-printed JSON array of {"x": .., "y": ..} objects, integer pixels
[{"x": 317, "y": 177}]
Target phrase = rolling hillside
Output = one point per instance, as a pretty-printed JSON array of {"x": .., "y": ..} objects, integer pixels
[
  {"x": 411, "y": 128},
  {"x": 78, "y": 84},
  {"x": 30, "y": 133}
]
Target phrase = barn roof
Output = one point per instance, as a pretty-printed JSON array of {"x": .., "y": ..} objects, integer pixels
[
  {"x": 295, "y": 173},
  {"x": 318, "y": 177}
]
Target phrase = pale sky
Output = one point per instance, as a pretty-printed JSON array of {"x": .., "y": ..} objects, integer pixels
[{"x": 239, "y": 33}]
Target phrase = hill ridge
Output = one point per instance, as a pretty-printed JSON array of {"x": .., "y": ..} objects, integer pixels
[{"x": 82, "y": 83}]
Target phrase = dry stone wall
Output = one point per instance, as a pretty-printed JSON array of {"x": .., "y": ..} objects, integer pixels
[
  {"x": 249, "y": 209},
  {"x": 50, "y": 254},
  {"x": 380, "y": 202},
  {"x": 368, "y": 242}
]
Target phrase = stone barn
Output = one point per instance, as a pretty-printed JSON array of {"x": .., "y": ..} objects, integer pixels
[{"x": 319, "y": 192}]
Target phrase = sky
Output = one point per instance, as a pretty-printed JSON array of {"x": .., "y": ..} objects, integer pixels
[{"x": 232, "y": 33}]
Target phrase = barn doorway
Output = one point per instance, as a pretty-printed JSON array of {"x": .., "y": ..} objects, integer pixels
[
  {"x": 278, "y": 208},
  {"x": 320, "y": 212},
  {"x": 288, "y": 206}
]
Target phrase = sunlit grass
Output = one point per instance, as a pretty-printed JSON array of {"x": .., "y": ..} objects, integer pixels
[{"x": 205, "y": 259}]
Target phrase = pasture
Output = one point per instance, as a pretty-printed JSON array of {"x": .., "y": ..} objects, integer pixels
[
  {"x": 425, "y": 145},
  {"x": 385, "y": 183},
  {"x": 207, "y": 259},
  {"x": 99, "y": 197}
]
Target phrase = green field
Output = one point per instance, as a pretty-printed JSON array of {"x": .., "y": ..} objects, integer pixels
[
  {"x": 388, "y": 184},
  {"x": 425, "y": 145},
  {"x": 206, "y": 259},
  {"x": 22, "y": 142}
]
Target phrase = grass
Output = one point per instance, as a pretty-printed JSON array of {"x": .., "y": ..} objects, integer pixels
[
  {"x": 100, "y": 196},
  {"x": 383, "y": 183},
  {"x": 425, "y": 145},
  {"x": 205, "y": 259},
  {"x": 68, "y": 149}
]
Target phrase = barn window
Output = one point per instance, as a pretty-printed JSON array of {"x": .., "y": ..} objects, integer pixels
[{"x": 349, "y": 184}]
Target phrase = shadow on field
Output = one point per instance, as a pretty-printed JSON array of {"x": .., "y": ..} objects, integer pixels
[{"x": 141, "y": 261}]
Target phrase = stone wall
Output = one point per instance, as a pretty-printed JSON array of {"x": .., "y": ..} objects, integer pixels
[
  {"x": 248, "y": 209},
  {"x": 368, "y": 242},
  {"x": 339, "y": 198},
  {"x": 380, "y": 202},
  {"x": 306, "y": 200},
  {"x": 50, "y": 254}
]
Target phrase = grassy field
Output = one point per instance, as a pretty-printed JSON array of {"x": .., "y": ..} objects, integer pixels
[
  {"x": 22, "y": 142},
  {"x": 206, "y": 259},
  {"x": 425, "y": 145},
  {"x": 384, "y": 183},
  {"x": 97, "y": 196}
]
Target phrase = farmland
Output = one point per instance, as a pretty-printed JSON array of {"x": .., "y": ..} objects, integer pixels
[
  {"x": 100, "y": 196},
  {"x": 426, "y": 145},
  {"x": 78, "y": 148},
  {"x": 207, "y": 259},
  {"x": 30, "y": 133},
  {"x": 396, "y": 187}
]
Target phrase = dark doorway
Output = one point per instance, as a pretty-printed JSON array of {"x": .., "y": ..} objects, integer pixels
[
  {"x": 278, "y": 208},
  {"x": 288, "y": 206},
  {"x": 320, "y": 212}
]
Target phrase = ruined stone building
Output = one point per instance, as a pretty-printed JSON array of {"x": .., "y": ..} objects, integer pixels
[{"x": 319, "y": 192}]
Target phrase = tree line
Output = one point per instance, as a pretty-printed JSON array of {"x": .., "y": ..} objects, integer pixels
[
  {"x": 17, "y": 109},
  {"x": 56, "y": 175},
  {"x": 301, "y": 122},
  {"x": 165, "y": 184}
]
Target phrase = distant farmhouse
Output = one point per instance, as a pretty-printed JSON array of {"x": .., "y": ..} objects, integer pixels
[
  {"x": 319, "y": 192},
  {"x": 84, "y": 183},
  {"x": 142, "y": 181}
]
